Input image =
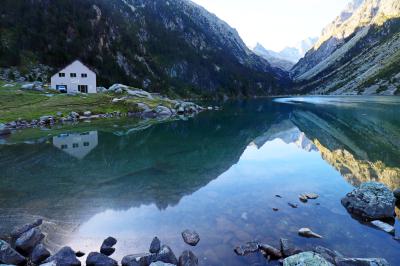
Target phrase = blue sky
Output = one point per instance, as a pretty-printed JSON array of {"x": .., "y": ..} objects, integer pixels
[{"x": 276, "y": 23}]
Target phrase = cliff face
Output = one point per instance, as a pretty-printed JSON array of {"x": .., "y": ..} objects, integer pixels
[
  {"x": 165, "y": 46},
  {"x": 355, "y": 54}
]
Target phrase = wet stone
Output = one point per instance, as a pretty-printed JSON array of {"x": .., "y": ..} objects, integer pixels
[
  {"x": 287, "y": 248},
  {"x": 270, "y": 251},
  {"x": 293, "y": 205},
  {"x": 306, "y": 232},
  {"x": 166, "y": 255},
  {"x": 155, "y": 245},
  {"x": 28, "y": 240},
  {"x": 107, "y": 246},
  {"x": 190, "y": 237},
  {"x": 39, "y": 254},
  {"x": 65, "y": 256},
  {"x": 188, "y": 259},
  {"x": 8, "y": 255},
  {"x": 250, "y": 247},
  {"x": 99, "y": 259},
  {"x": 361, "y": 262},
  {"x": 18, "y": 231}
]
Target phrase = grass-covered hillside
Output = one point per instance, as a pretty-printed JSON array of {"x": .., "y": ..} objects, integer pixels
[{"x": 29, "y": 104}]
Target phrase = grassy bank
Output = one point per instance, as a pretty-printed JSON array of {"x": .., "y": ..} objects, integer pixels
[{"x": 25, "y": 104}]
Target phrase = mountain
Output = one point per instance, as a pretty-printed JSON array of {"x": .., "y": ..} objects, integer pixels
[
  {"x": 358, "y": 53},
  {"x": 273, "y": 58},
  {"x": 288, "y": 57},
  {"x": 174, "y": 46}
]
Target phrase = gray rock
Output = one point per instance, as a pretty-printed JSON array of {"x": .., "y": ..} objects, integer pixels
[
  {"x": 396, "y": 194},
  {"x": 163, "y": 111},
  {"x": 371, "y": 201},
  {"x": 160, "y": 263},
  {"x": 107, "y": 246},
  {"x": 155, "y": 245},
  {"x": 329, "y": 255},
  {"x": 87, "y": 113},
  {"x": 384, "y": 226},
  {"x": 138, "y": 259},
  {"x": 306, "y": 259},
  {"x": 28, "y": 240},
  {"x": 39, "y": 254},
  {"x": 10, "y": 256},
  {"x": 306, "y": 232},
  {"x": 361, "y": 262},
  {"x": 101, "y": 90},
  {"x": 29, "y": 86},
  {"x": 139, "y": 93},
  {"x": 65, "y": 257},
  {"x": 166, "y": 255},
  {"x": 188, "y": 259},
  {"x": 190, "y": 237},
  {"x": 250, "y": 247},
  {"x": 116, "y": 87},
  {"x": 270, "y": 251},
  {"x": 98, "y": 259}
]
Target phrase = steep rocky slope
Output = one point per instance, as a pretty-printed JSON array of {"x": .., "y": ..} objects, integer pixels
[
  {"x": 171, "y": 46},
  {"x": 273, "y": 58},
  {"x": 356, "y": 54}
]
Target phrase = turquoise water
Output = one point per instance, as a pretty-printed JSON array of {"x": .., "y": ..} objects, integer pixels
[{"x": 217, "y": 173}]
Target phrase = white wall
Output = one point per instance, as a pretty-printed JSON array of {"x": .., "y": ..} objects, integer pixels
[{"x": 72, "y": 83}]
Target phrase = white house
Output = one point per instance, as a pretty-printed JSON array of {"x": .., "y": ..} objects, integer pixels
[{"x": 74, "y": 78}]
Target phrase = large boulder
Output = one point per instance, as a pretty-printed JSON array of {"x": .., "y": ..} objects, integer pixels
[
  {"x": 39, "y": 254},
  {"x": 18, "y": 231},
  {"x": 28, "y": 241},
  {"x": 65, "y": 256},
  {"x": 306, "y": 259},
  {"x": 370, "y": 201},
  {"x": 361, "y": 262},
  {"x": 117, "y": 87},
  {"x": 10, "y": 256},
  {"x": 98, "y": 259}
]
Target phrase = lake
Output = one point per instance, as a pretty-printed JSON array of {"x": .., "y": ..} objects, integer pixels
[{"x": 217, "y": 173}]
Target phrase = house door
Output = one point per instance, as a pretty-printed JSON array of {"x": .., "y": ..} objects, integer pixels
[{"x": 83, "y": 88}]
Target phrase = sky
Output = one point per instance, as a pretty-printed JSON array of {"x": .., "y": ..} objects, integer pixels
[{"x": 276, "y": 24}]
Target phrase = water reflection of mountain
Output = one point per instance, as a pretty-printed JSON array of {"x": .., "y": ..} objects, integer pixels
[
  {"x": 362, "y": 143},
  {"x": 158, "y": 165}
]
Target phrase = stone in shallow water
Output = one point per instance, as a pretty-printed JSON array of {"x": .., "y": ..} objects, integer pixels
[
  {"x": 371, "y": 200},
  {"x": 107, "y": 246},
  {"x": 287, "y": 248},
  {"x": 270, "y": 251},
  {"x": 18, "y": 231},
  {"x": 99, "y": 259},
  {"x": 190, "y": 237},
  {"x": 306, "y": 232},
  {"x": 329, "y": 255},
  {"x": 28, "y": 240},
  {"x": 166, "y": 255},
  {"x": 8, "y": 255},
  {"x": 188, "y": 259},
  {"x": 155, "y": 245},
  {"x": 384, "y": 226},
  {"x": 306, "y": 259},
  {"x": 250, "y": 247},
  {"x": 361, "y": 262},
  {"x": 293, "y": 205},
  {"x": 39, "y": 254},
  {"x": 311, "y": 195},
  {"x": 65, "y": 256},
  {"x": 138, "y": 259}
]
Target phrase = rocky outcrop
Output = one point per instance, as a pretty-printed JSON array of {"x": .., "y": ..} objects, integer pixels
[{"x": 371, "y": 201}]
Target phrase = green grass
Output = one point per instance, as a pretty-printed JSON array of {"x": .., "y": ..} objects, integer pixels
[{"x": 16, "y": 103}]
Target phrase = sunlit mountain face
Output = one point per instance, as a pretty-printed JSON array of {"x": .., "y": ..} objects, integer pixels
[{"x": 218, "y": 172}]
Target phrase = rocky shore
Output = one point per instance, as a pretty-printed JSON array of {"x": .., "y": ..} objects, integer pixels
[{"x": 140, "y": 104}]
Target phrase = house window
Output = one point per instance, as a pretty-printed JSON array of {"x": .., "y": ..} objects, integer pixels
[
  {"x": 61, "y": 75},
  {"x": 72, "y": 75},
  {"x": 75, "y": 145},
  {"x": 86, "y": 144},
  {"x": 84, "y": 75},
  {"x": 64, "y": 146},
  {"x": 83, "y": 88}
]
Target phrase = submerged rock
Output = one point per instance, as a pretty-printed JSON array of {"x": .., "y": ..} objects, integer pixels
[
  {"x": 250, "y": 247},
  {"x": 306, "y": 259},
  {"x": 99, "y": 259},
  {"x": 28, "y": 240},
  {"x": 188, "y": 259},
  {"x": 155, "y": 245},
  {"x": 361, "y": 262},
  {"x": 39, "y": 254},
  {"x": 306, "y": 232},
  {"x": 287, "y": 248},
  {"x": 65, "y": 256},
  {"x": 190, "y": 237},
  {"x": 10, "y": 256},
  {"x": 18, "y": 231},
  {"x": 371, "y": 201},
  {"x": 384, "y": 226},
  {"x": 107, "y": 246},
  {"x": 270, "y": 251}
]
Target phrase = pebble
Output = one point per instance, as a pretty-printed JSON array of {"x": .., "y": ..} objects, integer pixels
[{"x": 306, "y": 232}]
